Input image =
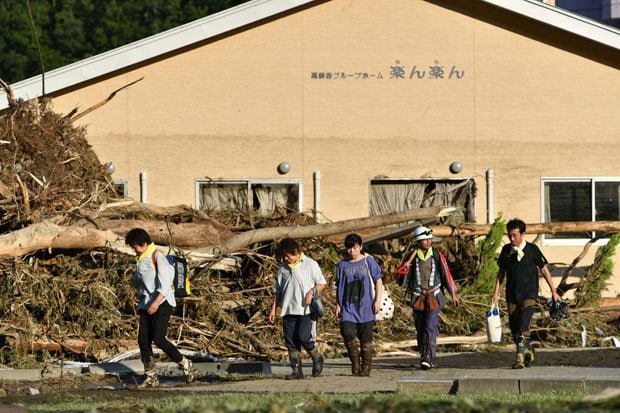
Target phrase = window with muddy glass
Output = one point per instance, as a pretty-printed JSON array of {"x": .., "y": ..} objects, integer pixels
[
  {"x": 262, "y": 197},
  {"x": 401, "y": 194}
]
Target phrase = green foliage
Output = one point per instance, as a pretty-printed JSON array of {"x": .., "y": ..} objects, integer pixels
[
  {"x": 589, "y": 293},
  {"x": 308, "y": 402},
  {"x": 330, "y": 259},
  {"x": 72, "y": 30},
  {"x": 484, "y": 280}
]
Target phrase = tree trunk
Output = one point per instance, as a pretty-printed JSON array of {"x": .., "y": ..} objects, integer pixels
[
  {"x": 244, "y": 239},
  {"x": 472, "y": 230},
  {"x": 185, "y": 235},
  {"x": 47, "y": 235},
  {"x": 212, "y": 239},
  {"x": 542, "y": 228}
]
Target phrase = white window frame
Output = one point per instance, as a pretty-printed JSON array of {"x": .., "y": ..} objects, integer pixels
[
  {"x": 592, "y": 180},
  {"x": 124, "y": 184},
  {"x": 249, "y": 183}
]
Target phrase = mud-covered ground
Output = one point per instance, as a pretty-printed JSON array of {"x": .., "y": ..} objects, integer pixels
[{"x": 336, "y": 376}]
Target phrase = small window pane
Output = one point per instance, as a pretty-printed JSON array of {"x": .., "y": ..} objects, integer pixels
[
  {"x": 224, "y": 196},
  {"x": 607, "y": 202},
  {"x": 568, "y": 202},
  {"x": 120, "y": 188},
  {"x": 270, "y": 198}
]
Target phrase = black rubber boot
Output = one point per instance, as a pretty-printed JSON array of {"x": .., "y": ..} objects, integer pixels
[
  {"x": 528, "y": 352},
  {"x": 520, "y": 355},
  {"x": 354, "y": 355},
  {"x": 297, "y": 373},
  {"x": 317, "y": 362}
]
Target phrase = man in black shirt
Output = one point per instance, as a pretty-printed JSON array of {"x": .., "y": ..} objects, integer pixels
[{"x": 519, "y": 262}]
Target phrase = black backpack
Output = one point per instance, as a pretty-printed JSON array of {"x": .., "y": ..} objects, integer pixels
[{"x": 181, "y": 280}]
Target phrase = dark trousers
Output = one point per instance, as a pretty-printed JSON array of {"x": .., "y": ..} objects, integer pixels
[
  {"x": 297, "y": 332},
  {"x": 152, "y": 329},
  {"x": 362, "y": 331},
  {"x": 520, "y": 317},
  {"x": 427, "y": 330}
]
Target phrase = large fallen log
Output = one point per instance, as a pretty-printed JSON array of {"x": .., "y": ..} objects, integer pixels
[
  {"x": 47, "y": 235},
  {"x": 468, "y": 230},
  {"x": 212, "y": 239},
  {"x": 472, "y": 230},
  {"x": 184, "y": 235},
  {"x": 244, "y": 239}
]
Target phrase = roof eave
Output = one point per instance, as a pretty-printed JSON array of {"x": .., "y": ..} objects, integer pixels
[
  {"x": 255, "y": 11},
  {"x": 562, "y": 19}
]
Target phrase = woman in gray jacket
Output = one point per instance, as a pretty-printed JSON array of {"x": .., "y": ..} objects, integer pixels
[{"x": 153, "y": 279}]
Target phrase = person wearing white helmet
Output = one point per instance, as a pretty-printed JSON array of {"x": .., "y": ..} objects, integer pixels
[{"x": 427, "y": 276}]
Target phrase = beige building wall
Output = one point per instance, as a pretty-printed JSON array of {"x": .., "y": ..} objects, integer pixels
[{"x": 522, "y": 99}]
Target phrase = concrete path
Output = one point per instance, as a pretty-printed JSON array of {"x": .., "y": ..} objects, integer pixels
[{"x": 587, "y": 370}]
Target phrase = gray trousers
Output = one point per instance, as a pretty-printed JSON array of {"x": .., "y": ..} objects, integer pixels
[{"x": 427, "y": 329}]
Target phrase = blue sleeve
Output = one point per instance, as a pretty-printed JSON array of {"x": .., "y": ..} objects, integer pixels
[{"x": 375, "y": 269}]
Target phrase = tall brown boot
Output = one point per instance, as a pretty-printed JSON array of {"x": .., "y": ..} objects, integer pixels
[
  {"x": 354, "y": 355},
  {"x": 295, "y": 360},
  {"x": 366, "y": 359}
]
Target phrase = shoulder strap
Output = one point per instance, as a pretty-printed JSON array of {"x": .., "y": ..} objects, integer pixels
[
  {"x": 154, "y": 259},
  {"x": 446, "y": 268},
  {"x": 372, "y": 282}
]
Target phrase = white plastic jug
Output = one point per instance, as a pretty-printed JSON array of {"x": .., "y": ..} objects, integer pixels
[{"x": 494, "y": 325}]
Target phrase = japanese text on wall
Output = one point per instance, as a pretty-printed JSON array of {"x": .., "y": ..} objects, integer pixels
[{"x": 436, "y": 71}]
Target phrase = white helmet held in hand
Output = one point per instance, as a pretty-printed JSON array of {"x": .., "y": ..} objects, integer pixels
[{"x": 421, "y": 233}]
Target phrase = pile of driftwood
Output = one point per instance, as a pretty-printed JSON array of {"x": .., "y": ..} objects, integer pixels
[
  {"x": 80, "y": 306},
  {"x": 66, "y": 291}
]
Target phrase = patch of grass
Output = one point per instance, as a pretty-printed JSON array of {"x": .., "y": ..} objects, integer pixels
[{"x": 305, "y": 402}]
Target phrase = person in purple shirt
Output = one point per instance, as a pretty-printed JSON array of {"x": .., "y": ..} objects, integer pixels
[{"x": 357, "y": 304}]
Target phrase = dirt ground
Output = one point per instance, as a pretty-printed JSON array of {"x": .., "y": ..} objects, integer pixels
[{"x": 336, "y": 376}]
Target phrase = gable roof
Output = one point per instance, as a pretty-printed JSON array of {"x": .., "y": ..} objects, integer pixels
[
  {"x": 151, "y": 47},
  {"x": 562, "y": 19},
  {"x": 253, "y": 12}
]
